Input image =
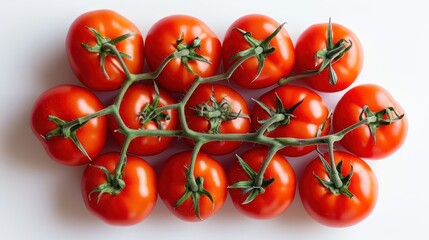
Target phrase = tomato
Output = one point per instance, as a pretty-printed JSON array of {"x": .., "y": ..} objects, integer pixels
[
  {"x": 129, "y": 206},
  {"x": 276, "y": 65},
  {"x": 177, "y": 32},
  {"x": 69, "y": 102},
  {"x": 302, "y": 119},
  {"x": 277, "y": 196},
  {"x": 388, "y": 138},
  {"x": 136, "y": 109},
  {"x": 86, "y": 64},
  {"x": 217, "y": 109},
  {"x": 346, "y": 68},
  {"x": 334, "y": 209},
  {"x": 172, "y": 185}
]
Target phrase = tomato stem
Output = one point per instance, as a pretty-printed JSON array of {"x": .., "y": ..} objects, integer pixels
[
  {"x": 111, "y": 47},
  {"x": 228, "y": 73},
  {"x": 119, "y": 170},
  {"x": 105, "y": 46},
  {"x": 335, "y": 175},
  {"x": 260, "y": 176},
  {"x": 256, "y": 184},
  {"x": 258, "y": 49},
  {"x": 392, "y": 116},
  {"x": 280, "y": 110},
  {"x": 328, "y": 56},
  {"x": 217, "y": 112},
  {"x": 192, "y": 52},
  {"x": 68, "y": 129},
  {"x": 269, "y": 123},
  {"x": 194, "y": 187},
  {"x": 82, "y": 120},
  {"x": 190, "y": 178},
  {"x": 158, "y": 71}
]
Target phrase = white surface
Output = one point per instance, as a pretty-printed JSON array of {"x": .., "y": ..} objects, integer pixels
[{"x": 40, "y": 199}]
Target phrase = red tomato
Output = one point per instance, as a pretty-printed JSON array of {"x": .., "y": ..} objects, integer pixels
[
  {"x": 276, "y": 65},
  {"x": 135, "y": 109},
  {"x": 68, "y": 103},
  {"x": 339, "y": 210},
  {"x": 388, "y": 138},
  {"x": 277, "y": 196},
  {"x": 306, "y": 118},
  {"x": 86, "y": 64},
  {"x": 228, "y": 113},
  {"x": 131, "y": 205},
  {"x": 347, "y": 68},
  {"x": 172, "y": 185},
  {"x": 173, "y": 33}
]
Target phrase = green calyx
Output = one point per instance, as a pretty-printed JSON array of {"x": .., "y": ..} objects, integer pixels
[
  {"x": 384, "y": 117},
  {"x": 280, "y": 109},
  {"x": 195, "y": 193},
  {"x": 150, "y": 113},
  {"x": 259, "y": 49},
  {"x": 252, "y": 186},
  {"x": 113, "y": 185},
  {"x": 101, "y": 49},
  {"x": 330, "y": 184},
  {"x": 332, "y": 52},
  {"x": 192, "y": 54},
  {"x": 217, "y": 112},
  {"x": 66, "y": 130},
  {"x": 328, "y": 56}
]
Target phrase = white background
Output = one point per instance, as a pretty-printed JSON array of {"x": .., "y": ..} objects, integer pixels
[{"x": 40, "y": 199}]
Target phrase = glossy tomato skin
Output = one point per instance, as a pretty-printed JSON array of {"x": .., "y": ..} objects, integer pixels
[
  {"x": 86, "y": 65},
  {"x": 134, "y": 203},
  {"x": 172, "y": 179},
  {"x": 161, "y": 41},
  {"x": 134, "y": 101},
  {"x": 69, "y": 102},
  {"x": 200, "y": 124},
  {"x": 389, "y": 138},
  {"x": 277, "y": 65},
  {"x": 308, "y": 116},
  {"x": 346, "y": 68},
  {"x": 277, "y": 197},
  {"x": 339, "y": 210}
]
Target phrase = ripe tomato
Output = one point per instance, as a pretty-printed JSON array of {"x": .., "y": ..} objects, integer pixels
[
  {"x": 276, "y": 65},
  {"x": 86, "y": 64},
  {"x": 346, "y": 68},
  {"x": 136, "y": 111},
  {"x": 277, "y": 196},
  {"x": 302, "y": 121},
  {"x": 68, "y": 102},
  {"x": 131, "y": 205},
  {"x": 215, "y": 108},
  {"x": 388, "y": 138},
  {"x": 173, "y": 33},
  {"x": 339, "y": 210},
  {"x": 172, "y": 185}
]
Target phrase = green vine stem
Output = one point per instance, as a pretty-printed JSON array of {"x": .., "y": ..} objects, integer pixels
[
  {"x": 261, "y": 172},
  {"x": 190, "y": 179},
  {"x": 258, "y": 136}
]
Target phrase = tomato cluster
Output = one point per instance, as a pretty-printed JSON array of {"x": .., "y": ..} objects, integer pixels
[{"x": 180, "y": 99}]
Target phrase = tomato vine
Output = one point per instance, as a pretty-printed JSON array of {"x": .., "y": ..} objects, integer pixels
[
  {"x": 259, "y": 49},
  {"x": 201, "y": 138}
]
